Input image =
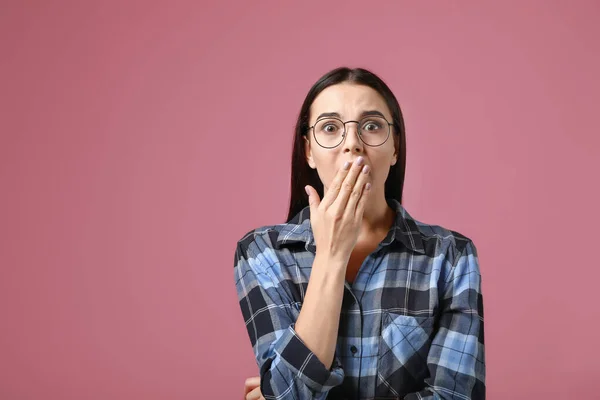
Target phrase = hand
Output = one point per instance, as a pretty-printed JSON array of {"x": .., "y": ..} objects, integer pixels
[
  {"x": 336, "y": 219},
  {"x": 252, "y": 389}
]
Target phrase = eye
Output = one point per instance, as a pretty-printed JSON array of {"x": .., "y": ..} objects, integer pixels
[
  {"x": 329, "y": 128},
  {"x": 371, "y": 126}
]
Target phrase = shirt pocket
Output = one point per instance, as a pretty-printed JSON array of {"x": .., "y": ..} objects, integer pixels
[{"x": 402, "y": 359}]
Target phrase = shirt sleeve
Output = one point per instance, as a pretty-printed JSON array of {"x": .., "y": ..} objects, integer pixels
[
  {"x": 456, "y": 359},
  {"x": 288, "y": 368}
]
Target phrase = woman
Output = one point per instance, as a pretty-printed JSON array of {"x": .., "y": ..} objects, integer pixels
[{"x": 352, "y": 298}]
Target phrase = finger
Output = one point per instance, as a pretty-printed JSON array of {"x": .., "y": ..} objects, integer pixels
[
  {"x": 349, "y": 183},
  {"x": 360, "y": 207},
  {"x": 358, "y": 190},
  {"x": 313, "y": 199},
  {"x": 254, "y": 394},
  {"x": 251, "y": 383},
  {"x": 336, "y": 185}
]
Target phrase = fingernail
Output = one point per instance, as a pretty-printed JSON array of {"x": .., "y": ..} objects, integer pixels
[
  {"x": 359, "y": 161},
  {"x": 306, "y": 190},
  {"x": 365, "y": 169},
  {"x": 346, "y": 165},
  {"x": 368, "y": 186}
]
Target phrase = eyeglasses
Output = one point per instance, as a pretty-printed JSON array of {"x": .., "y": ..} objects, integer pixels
[{"x": 329, "y": 132}]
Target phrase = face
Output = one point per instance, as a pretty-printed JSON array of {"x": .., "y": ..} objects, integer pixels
[{"x": 351, "y": 102}]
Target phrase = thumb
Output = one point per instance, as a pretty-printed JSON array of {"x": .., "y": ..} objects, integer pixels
[{"x": 313, "y": 197}]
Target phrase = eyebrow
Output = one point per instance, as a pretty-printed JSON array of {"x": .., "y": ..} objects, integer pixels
[{"x": 362, "y": 115}]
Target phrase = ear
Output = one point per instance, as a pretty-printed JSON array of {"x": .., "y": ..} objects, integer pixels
[
  {"x": 395, "y": 156},
  {"x": 308, "y": 152},
  {"x": 396, "y": 146}
]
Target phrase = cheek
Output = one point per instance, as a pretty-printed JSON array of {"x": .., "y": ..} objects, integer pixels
[
  {"x": 328, "y": 174},
  {"x": 327, "y": 169},
  {"x": 381, "y": 174},
  {"x": 381, "y": 170}
]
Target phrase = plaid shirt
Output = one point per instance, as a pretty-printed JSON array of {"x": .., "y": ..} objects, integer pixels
[{"x": 411, "y": 323}]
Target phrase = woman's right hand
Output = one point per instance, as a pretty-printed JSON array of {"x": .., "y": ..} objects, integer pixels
[{"x": 336, "y": 219}]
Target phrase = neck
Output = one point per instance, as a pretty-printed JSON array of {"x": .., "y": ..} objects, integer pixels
[{"x": 378, "y": 217}]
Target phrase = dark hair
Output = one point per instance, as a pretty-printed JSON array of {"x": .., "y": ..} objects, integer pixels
[{"x": 303, "y": 174}]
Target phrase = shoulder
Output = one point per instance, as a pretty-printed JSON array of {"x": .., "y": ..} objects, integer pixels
[
  {"x": 432, "y": 240},
  {"x": 451, "y": 243},
  {"x": 260, "y": 243},
  {"x": 455, "y": 253},
  {"x": 272, "y": 237},
  {"x": 258, "y": 237}
]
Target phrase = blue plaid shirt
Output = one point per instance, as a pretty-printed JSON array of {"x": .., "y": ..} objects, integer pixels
[{"x": 411, "y": 323}]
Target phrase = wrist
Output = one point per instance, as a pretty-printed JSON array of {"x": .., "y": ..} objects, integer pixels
[{"x": 332, "y": 262}]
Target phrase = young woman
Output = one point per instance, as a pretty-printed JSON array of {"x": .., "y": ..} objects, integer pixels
[{"x": 353, "y": 298}]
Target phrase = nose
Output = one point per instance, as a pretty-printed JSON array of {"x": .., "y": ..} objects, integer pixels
[{"x": 352, "y": 141}]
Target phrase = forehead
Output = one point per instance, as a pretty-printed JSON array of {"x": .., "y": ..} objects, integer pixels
[{"x": 348, "y": 100}]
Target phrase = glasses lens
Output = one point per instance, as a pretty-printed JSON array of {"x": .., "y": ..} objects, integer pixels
[
  {"x": 374, "y": 130},
  {"x": 329, "y": 132}
]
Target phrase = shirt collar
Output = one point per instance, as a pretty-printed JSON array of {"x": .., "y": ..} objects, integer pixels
[{"x": 404, "y": 230}]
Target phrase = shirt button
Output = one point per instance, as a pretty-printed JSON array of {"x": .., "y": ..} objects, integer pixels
[{"x": 353, "y": 349}]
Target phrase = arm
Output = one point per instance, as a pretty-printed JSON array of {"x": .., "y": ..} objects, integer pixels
[
  {"x": 289, "y": 368},
  {"x": 456, "y": 360},
  {"x": 319, "y": 319},
  {"x": 296, "y": 358}
]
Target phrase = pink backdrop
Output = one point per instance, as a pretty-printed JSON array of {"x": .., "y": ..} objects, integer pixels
[{"x": 140, "y": 140}]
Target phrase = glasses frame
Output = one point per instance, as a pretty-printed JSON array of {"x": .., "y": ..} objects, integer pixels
[{"x": 346, "y": 131}]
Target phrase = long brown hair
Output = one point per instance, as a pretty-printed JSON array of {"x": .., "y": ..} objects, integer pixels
[{"x": 303, "y": 174}]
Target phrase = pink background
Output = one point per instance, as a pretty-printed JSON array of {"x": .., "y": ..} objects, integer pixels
[{"x": 140, "y": 140}]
